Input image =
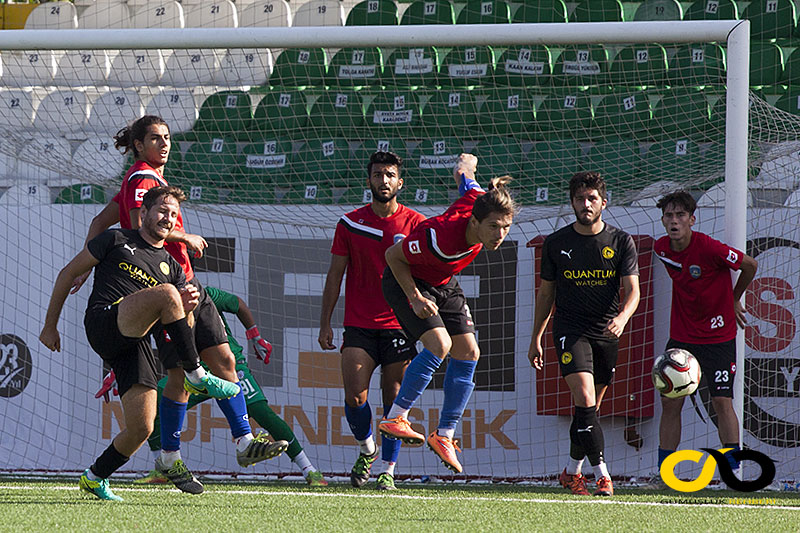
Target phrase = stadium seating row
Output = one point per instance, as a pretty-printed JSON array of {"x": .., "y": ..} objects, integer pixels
[{"x": 770, "y": 19}]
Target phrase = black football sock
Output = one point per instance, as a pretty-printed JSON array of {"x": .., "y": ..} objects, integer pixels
[
  {"x": 590, "y": 434},
  {"x": 108, "y": 462},
  {"x": 181, "y": 334}
]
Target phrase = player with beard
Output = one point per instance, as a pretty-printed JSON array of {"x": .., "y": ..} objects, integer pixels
[
  {"x": 583, "y": 266},
  {"x": 372, "y": 335}
]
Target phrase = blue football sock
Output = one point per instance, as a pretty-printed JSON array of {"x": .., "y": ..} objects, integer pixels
[
  {"x": 390, "y": 448},
  {"x": 172, "y": 414},
  {"x": 663, "y": 454},
  {"x": 235, "y": 410},
  {"x": 731, "y": 461},
  {"x": 458, "y": 387},
  {"x": 360, "y": 420},
  {"x": 418, "y": 374}
]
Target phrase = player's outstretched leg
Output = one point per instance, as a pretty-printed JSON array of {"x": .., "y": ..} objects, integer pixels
[
  {"x": 213, "y": 386},
  {"x": 400, "y": 428},
  {"x": 359, "y": 475},
  {"x": 445, "y": 448},
  {"x": 260, "y": 449},
  {"x": 180, "y": 476},
  {"x": 97, "y": 487}
]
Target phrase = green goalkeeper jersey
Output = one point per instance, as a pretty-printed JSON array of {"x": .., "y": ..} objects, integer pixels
[{"x": 228, "y": 303}]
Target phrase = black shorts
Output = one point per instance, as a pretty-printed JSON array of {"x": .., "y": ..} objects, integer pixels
[
  {"x": 577, "y": 353},
  {"x": 209, "y": 330},
  {"x": 453, "y": 315},
  {"x": 717, "y": 364},
  {"x": 131, "y": 358},
  {"x": 385, "y": 346}
]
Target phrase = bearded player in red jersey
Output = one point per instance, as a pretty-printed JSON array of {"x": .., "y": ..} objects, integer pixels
[
  {"x": 706, "y": 309},
  {"x": 372, "y": 335},
  {"x": 430, "y": 305},
  {"x": 149, "y": 139}
]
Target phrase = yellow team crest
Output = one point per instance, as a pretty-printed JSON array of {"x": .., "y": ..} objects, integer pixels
[
  {"x": 607, "y": 252},
  {"x": 164, "y": 268},
  {"x": 566, "y": 358}
]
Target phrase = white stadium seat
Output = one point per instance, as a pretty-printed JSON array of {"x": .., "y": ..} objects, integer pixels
[
  {"x": 158, "y": 15},
  {"x": 113, "y": 109},
  {"x": 26, "y": 193},
  {"x": 44, "y": 159},
  {"x": 715, "y": 197},
  {"x": 189, "y": 68},
  {"x": 269, "y": 13},
  {"x": 106, "y": 15},
  {"x": 218, "y": 14},
  {"x": 136, "y": 68},
  {"x": 8, "y": 160},
  {"x": 53, "y": 16},
  {"x": 29, "y": 68},
  {"x": 242, "y": 66},
  {"x": 99, "y": 155},
  {"x": 177, "y": 107},
  {"x": 793, "y": 200},
  {"x": 648, "y": 196},
  {"x": 320, "y": 13},
  {"x": 83, "y": 67},
  {"x": 62, "y": 112},
  {"x": 17, "y": 108}
]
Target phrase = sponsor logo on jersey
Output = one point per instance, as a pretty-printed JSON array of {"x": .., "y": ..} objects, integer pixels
[
  {"x": 138, "y": 194},
  {"x": 732, "y": 256},
  {"x": 414, "y": 248},
  {"x": 566, "y": 358},
  {"x": 567, "y": 253},
  {"x": 15, "y": 365},
  {"x": 164, "y": 268},
  {"x": 398, "y": 237},
  {"x": 136, "y": 273},
  {"x": 695, "y": 271},
  {"x": 607, "y": 252},
  {"x": 131, "y": 249}
]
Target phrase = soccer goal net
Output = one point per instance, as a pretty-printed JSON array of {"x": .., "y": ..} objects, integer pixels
[{"x": 271, "y": 132}]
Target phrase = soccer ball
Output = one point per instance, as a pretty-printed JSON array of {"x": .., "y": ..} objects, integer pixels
[{"x": 676, "y": 373}]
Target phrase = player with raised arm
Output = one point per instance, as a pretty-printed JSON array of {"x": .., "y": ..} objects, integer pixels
[
  {"x": 149, "y": 139},
  {"x": 706, "y": 309},
  {"x": 583, "y": 266},
  {"x": 372, "y": 335},
  {"x": 430, "y": 305},
  {"x": 137, "y": 283},
  {"x": 257, "y": 406}
]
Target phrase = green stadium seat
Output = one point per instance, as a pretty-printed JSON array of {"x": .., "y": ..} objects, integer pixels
[
  {"x": 681, "y": 113},
  {"x": 280, "y": 112},
  {"x": 716, "y": 131},
  {"x": 81, "y": 193},
  {"x": 791, "y": 68},
  {"x": 433, "y": 160},
  {"x": 541, "y": 11},
  {"x": 671, "y": 160},
  {"x": 766, "y": 63},
  {"x": 224, "y": 112},
  {"x": 617, "y": 160},
  {"x": 324, "y": 161},
  {"x": 393, "y": 113},
  {"x": 261, "y": 166},
  {"x": 598, "y": 11},
  {"x": 624, "y": 114},
  {"x": 337, "y": 112},
  {"x": 640, "y": 65},
  {"x": 411, "y": 67},
  {"x": 712, "y": 10},
  {"x": 468, "y": 65},
  {"x": 500, "y": 156},
  {"x": 429, "y": 12},
  {"x": 565, "y": 115},
  {"x": 659, "y": 10},
  {"x": 697, "y": 65},
  {"x": 352, "y": 67},
  {"x": 550, "y": 165},
  {"x": 581, "y": 65},
  {"x": 525, "y": 65},
  {"x": 373, "y": 13},
  {"x": 485, "y": 12},
  {"x": 450, "y": 113},
  {"x": 771, "y": 19},
  {"x": 300, "y": 67},
  {"x": 209, "y": 164},
  {"x": 507, "y": 111},
  {"x": 790, "y": 101}
]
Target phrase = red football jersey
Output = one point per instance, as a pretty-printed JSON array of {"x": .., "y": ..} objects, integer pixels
[
  {"x": 139, "y": 179},
  {"x": 363, "y": 237},
  {"x": 702, "y": 289},
  {"x": 437, "y": 249}
]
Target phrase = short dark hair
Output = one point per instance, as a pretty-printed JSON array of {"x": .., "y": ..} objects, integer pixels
[
  {"x": 496, "y": 200},
  {"x": 136, "y": 131},
  {"x": 385, "y": 158},
  {"x": 679, "y": 199},
  {"x": 589, "y": 180},
  {"x": 152, "y": 196}
]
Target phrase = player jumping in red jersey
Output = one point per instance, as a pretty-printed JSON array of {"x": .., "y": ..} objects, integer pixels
[
  {"x": 706, "y": 309},
  {"x": 430, "y": 305},
  {"x": 372, "y": 335}
]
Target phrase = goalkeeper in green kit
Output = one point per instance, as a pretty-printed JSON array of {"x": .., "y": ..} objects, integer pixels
[{"x": 257, "y": 407}]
